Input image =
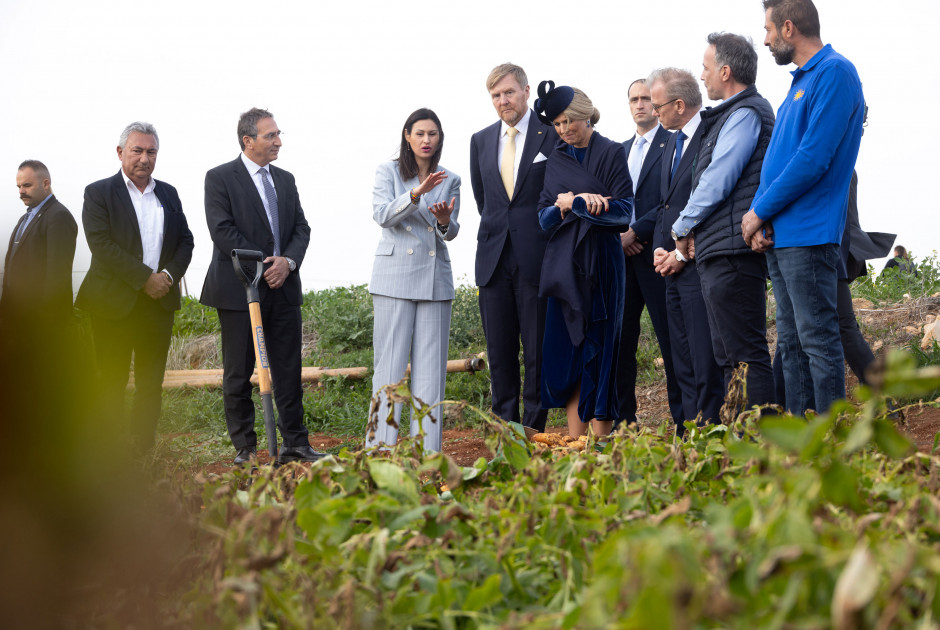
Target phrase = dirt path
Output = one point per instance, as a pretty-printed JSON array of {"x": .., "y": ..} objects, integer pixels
[{"x": 465, "y": 446}]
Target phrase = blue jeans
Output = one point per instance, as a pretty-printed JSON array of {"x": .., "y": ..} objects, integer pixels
[{"x": 805, "y": 285}]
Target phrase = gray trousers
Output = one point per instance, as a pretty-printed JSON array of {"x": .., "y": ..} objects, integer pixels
[{"x": 418, "y": 330}]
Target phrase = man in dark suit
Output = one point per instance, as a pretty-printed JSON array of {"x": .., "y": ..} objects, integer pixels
[
  {"x": 36, "y": 332},
  {"x": 37, "y": 278},
  {"x": 140, "y": 248},
  {"x": 251, "y": 204},
  {"x": 677, "y": 102},
  {"x": 506, "y": 174},
  {"x": 644, "y": 286}
]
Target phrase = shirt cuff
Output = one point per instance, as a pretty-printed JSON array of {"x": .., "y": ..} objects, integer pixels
[
  {"x": 172, "y": 280},
  {"x": 683, "y": 226}
]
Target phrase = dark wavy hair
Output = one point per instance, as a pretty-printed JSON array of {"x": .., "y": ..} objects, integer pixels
[{"x": 407, "y": 164}]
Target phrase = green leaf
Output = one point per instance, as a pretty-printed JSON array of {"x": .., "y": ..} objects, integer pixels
[
  {"x": 789, "y": 434},
  {"x": 889, "y": 440},
  {"x": 840, "y": 486},
  {"x": 485, "y": 595},
  {"x": 389, "y": 477}
]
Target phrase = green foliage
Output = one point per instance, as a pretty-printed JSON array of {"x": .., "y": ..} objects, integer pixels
[
  {"x": 195, "y": 320},
  {"x": 780, "y": 522},
  {"x": 341, "y": 316},
  {"x": 466, "y": 327},
  {"x": 891, "y": 285}
]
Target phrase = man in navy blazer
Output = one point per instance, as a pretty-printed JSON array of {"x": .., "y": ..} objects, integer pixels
[
  {"x": 644, "y": 286},
  {"x": 506, "y": 175},
  {"x": 140, "y": 248},
  {"x": 677, "y": 102},
  {"x": 251, "y": 204}
]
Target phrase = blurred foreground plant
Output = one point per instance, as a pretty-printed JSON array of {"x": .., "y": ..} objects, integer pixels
[{"x": 831, "y": 521}]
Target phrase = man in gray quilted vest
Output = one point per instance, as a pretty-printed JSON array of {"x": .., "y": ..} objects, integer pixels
[{"x": 727, "y": 174}]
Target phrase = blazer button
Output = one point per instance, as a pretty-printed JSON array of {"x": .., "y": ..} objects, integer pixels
[
  {"x": 430, "y": 229},
  {"x": 408, "y": 228},
  {"x": 431, "y": 253},
  {"x": 410, "y": 252}
]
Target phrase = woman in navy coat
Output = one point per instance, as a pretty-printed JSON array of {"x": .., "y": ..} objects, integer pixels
[
  {"x": 416, "y": 203},
  {"x": 587, "y": 200}
]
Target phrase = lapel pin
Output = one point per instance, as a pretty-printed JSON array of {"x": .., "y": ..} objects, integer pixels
[{"x": 540, "y": 133}]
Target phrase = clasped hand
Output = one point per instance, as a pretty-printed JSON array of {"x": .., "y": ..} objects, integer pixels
[
  {"x": 595, "y": 203},
  {"x": 157, "y": 285},
  {"x": 757, "y": 233},
  {"x": 277, "y": 273}
]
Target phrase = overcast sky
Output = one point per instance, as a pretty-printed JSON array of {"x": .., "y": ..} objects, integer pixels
[{"x": 341, "y": 77}]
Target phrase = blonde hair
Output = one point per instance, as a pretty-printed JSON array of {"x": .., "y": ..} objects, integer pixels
[
  {"x": 497, "y": 74},
  {"x": 581, "y": 108}
]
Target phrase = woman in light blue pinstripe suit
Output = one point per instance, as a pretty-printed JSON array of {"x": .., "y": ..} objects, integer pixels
[{"x": 412, "y": 284}]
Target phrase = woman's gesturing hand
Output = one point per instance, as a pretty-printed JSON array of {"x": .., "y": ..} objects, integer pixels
[
  {"x": 430, "y": 182},
  {"x": 442, "y": 211}
]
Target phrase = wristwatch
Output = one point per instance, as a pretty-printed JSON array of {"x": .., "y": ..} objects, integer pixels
[
  {"x": 675, "y": 236},
  {"x": 290, "y": 263},
  {"x": 680, "y": 257}
]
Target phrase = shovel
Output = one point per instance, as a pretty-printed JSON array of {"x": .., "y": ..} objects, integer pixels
[{"x": 261, "y": 355}]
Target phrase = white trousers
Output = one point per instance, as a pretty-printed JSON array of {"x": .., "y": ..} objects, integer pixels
[{"x": 418, "y": 330}]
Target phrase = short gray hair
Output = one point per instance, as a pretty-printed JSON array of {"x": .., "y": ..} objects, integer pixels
[
  {"x": 737, "y": 52},
  {"x": 248, "y": 124},
  {"x": 42, "y": 172},
  {"x": 679, "y": 84},
  {"x": 140, "y": 127}
]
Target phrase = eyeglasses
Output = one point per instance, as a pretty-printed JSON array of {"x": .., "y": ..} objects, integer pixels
[
  {"x": 269, "y": 136},
  {"x": 659, "y": 107}
]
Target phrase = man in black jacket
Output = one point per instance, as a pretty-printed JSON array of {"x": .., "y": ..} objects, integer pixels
[{"x": 140, "y": 248}]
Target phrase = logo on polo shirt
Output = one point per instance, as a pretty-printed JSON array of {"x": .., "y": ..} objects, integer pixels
[{"x": 799, "y": 94}]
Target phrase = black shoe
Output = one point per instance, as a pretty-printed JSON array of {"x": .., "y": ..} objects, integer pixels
[
  {"x": 301, "y": 453},
  {"x": 246, "y": 455}
]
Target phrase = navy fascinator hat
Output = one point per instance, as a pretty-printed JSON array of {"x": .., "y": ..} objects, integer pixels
[{"x": 552, "y": 101}]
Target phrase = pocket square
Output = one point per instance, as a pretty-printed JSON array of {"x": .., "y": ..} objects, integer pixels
[{"x": 539, "y": 158}]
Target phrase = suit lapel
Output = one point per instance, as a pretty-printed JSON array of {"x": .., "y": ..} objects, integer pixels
[
  {"x": 250, "y": 191},
  {"x": 533, "y": 140},
  {"x": 653, "y": 154},
  {"x": 160, "y": 193},
  {"x": 32, "y": 224},
  {"x": 491, "y": 154},
  {"x": 124, "y": 197}
]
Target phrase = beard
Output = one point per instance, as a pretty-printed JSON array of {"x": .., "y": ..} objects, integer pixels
[{"x": 783, "y": 53}]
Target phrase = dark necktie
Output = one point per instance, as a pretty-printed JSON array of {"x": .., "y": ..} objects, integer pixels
[
  {"x": 680, "y": 140},
  {"x": 19, "y": 231},
  {"x": 272, "y": 209}
]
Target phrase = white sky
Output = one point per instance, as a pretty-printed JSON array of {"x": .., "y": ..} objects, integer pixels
[{"x": 341, "y": 77}]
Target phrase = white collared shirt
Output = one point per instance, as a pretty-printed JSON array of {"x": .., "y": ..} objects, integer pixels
[
  {"x": 649, "y": 135},
  {"x": 255, "y": 171},
  {"x": 522, "y": 127},
  {"x": 690, "y": 128},
  {"x": 149, "y": 212}
]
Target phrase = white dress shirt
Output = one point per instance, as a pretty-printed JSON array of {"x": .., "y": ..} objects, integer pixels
[
  {"x": 149, "y": 219},
  {"x": 649, "y": 135},
  {"x": 522, "y": 127},
  {"x": 255, "y": 171}
]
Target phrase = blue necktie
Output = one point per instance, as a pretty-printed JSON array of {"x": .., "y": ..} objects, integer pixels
[
  {"x": 272, "y": 210},
  {"x": 680, "y": 140},
  {"x": 22, "y": 228}
]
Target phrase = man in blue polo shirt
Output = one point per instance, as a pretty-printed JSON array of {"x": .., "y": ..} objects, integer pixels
[{"x": 798, "y": 214}]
